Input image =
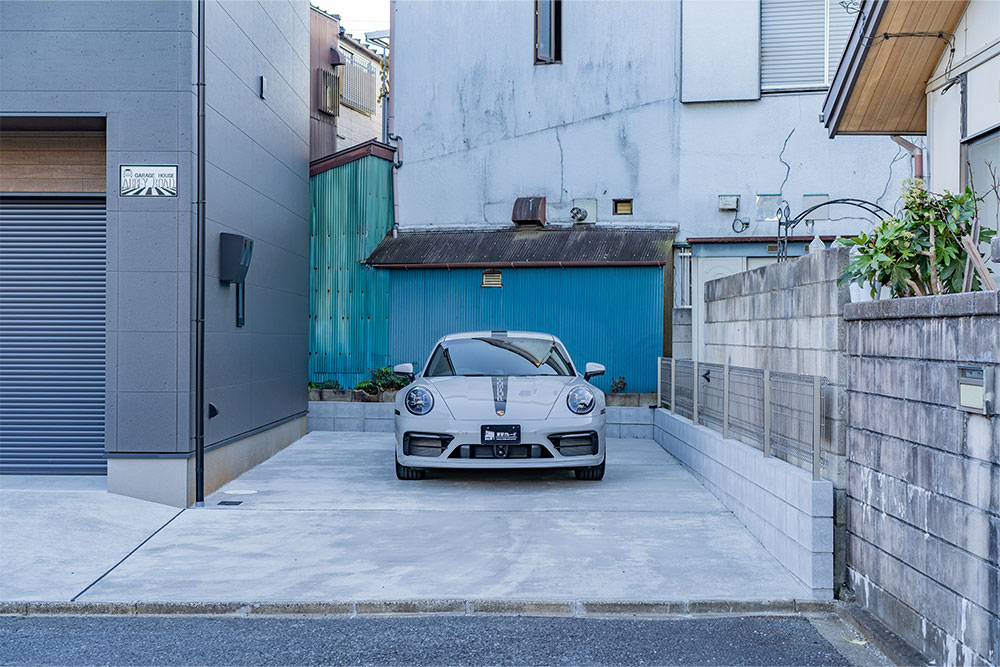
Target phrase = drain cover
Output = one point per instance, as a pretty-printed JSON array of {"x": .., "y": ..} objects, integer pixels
[{"x": 230, "y": 502}]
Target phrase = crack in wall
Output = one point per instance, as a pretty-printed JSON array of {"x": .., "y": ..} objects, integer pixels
[
  {"x": 788, "y": 167},
  {"x": 562, "y": 168},
  {"x": 900, "y": 154}
]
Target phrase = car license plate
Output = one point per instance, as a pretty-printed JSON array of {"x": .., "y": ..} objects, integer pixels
[{"x": 507, "y": 434}]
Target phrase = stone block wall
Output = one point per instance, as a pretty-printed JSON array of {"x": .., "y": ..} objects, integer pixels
[
  {"x": 787, "y": 317},
  {"x": 681, "y": 333},
  {"x": 924, "y": 476}
]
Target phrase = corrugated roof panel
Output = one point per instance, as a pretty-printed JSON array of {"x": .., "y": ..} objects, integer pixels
[{"x": 567, "y": 247}]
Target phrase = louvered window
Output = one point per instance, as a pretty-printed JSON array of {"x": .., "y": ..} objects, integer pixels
[
  {"x": 801, "y": 43},
  {"x": 329, "y": 91}
]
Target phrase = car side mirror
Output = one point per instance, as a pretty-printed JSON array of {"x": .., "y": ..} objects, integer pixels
[
  {"x": 593, "y": 370},
  {"x": 406, "y": 370}
]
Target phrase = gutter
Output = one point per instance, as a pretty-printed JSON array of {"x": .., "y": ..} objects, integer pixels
[
  {"x": 199, "y": 319},
  {"x": 391, "y": 124},
  {"x": 916, "y": 152},
  {"x": 518, "y": 265}
]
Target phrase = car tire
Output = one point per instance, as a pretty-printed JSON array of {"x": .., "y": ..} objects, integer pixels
[
  {"x": 593, "y": 473},
  {"x": 406, "y": 472}
]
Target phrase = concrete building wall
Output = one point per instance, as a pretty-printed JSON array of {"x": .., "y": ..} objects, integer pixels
[
  {"x": 787, "y": 317},
  {"x": 923, "y": 475},
  {"x": 487, "y": 125},
  {"x": 56, "y": 61},
  {"x": 258, "y": 185},
  {"x": 977, "y": 55}
]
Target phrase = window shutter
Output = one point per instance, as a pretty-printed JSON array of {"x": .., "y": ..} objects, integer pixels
[
  {"x": 792, "y": 44},
  {"x": 841, "y": 24}
]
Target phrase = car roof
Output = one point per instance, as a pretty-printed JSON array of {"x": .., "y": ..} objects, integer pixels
[{"x": 491, "y": 334}]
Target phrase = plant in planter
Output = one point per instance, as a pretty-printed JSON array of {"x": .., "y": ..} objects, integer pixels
[
  {"x": 330, "y": 390},
  {"x": 383, "y": 384},
  {"x": 924, "y": 249},
  {"x": 313, "y": 392}
]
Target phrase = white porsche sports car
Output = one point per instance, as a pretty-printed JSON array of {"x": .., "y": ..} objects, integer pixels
[{"x": 500, "y": 399}]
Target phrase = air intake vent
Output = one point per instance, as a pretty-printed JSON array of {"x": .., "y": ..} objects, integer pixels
[
  {"x": 529, "y": 211},
  {"x": 492, "y": 278}
]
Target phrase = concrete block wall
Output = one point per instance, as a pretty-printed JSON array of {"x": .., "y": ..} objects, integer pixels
[
  {"x": 924, "y": 476},
  {"x": 681, "y": 333},
  {"x": 347, "y": 416},
  {"x": 622, "y": 422},
  {"x": 787, "y": 317},
  {"x": 779, "y": 503}
]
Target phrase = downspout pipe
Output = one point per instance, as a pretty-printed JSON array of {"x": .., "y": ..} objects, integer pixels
[
  {"x": 199, "y": 320},
  {"x": 391, "y": 124},
  {"x": 916, "y": 152}
]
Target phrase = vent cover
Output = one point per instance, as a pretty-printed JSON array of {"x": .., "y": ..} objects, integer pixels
[
  {"x": 492, "y": 278},
  {"x": 529, "y": 211}
]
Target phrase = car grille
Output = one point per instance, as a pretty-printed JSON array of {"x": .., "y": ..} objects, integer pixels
[
  {"x": 425, "y": 444},
  {"x": 510, "y": 452},
  {"x": 575, "y": 444}
]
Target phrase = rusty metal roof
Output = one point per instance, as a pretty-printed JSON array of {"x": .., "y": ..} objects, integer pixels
[{"x": 578, "y": 246}]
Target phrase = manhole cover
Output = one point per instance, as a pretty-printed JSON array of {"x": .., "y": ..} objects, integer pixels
[{"x": 230, "y": 502}]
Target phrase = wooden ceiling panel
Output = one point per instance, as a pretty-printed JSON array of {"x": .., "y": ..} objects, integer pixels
[{"x": 888, "y": 95}]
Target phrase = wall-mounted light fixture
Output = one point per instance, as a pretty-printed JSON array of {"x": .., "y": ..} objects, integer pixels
[{"x": 235, "y": 252}]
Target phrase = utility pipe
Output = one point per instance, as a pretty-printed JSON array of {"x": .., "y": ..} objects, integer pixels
[
  {"x": 398, "y": 160},
  {"x": 199, "y": 320},
  {"x": 916, "y": 152}
]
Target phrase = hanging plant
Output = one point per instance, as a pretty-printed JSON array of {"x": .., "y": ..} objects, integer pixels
[{"x": 924, "y": 249}]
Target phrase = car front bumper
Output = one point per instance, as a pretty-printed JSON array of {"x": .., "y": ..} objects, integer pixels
[{"x": 465, "y": 435}]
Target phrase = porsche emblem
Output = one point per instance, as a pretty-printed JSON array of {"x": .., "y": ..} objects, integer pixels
[{"x": 500, "y": 412}]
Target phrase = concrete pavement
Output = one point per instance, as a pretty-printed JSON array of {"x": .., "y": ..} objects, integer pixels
[{"x": 326, "y": 520}]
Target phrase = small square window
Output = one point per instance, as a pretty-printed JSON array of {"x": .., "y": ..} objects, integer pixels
[
  {"x": 492, "y": 278},
  {"x": 622, "y": 206}
]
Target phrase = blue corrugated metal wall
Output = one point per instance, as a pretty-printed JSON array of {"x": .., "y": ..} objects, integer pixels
[
  {"x": 348, "y": 301},
  {"x": 611, "y": 315}
]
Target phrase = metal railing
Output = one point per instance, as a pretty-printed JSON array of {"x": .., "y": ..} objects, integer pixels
[
  {"x": 358, "y": 89},
  {"x": 779, "y": 413}
]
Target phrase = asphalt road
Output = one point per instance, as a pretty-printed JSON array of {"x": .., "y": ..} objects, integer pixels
[{"x": 424, "y": 640}]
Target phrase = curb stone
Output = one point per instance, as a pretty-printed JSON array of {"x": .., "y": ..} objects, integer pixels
[{"x": 447, "y": 606}]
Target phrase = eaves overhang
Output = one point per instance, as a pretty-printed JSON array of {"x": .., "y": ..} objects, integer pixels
[
  {"x": 370, "y": 147},
  {"x": 879, "y": 86}
]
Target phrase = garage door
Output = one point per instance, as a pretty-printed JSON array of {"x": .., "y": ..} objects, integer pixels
[{"x": 52, "y": 335}]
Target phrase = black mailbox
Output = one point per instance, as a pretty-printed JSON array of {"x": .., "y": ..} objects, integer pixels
[{"x": 235, "y": 251}]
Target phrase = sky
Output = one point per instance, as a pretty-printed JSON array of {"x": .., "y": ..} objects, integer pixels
[{"x": 358, "y": 16}]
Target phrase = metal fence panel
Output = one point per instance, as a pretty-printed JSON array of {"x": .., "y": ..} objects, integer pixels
[{"x": 780, "y": 413}]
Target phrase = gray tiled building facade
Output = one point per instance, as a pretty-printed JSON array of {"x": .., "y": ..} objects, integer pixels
[{"x": 131, "y": 67}]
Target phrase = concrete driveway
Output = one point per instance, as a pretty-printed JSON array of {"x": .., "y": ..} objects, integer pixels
[{"x": 326, "y": 520}]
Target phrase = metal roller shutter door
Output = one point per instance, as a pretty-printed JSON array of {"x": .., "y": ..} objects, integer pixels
[{"x": 52, "y": 335}]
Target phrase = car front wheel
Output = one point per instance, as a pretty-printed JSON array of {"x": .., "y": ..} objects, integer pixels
[
  {"x": 406, "y": 472},
  {"x": 593, "y": 473}
]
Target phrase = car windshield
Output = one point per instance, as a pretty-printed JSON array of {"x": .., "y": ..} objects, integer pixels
[{"x": 499, "y": 355}]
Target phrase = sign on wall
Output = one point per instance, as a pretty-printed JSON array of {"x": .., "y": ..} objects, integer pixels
[{"x": 148, "y": 180}]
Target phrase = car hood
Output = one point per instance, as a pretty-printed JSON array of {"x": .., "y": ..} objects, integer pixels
[{"x": 474, "y": 397}]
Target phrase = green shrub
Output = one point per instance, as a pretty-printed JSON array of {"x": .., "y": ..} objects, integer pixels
[{"x": 919, "y": 252}]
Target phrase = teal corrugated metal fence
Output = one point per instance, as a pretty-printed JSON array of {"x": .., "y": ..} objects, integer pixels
[
  {"x": 611, "y": 315},
  {"x": 349, "y": 302}
]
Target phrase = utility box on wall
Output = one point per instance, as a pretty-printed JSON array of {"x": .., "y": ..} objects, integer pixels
[{"x": 976, "y": 389}]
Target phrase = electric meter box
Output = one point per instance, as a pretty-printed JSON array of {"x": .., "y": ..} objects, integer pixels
[{"x": 976, "y": 389}]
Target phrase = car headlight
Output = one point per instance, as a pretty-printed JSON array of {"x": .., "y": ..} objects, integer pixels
[
  {"x": 580, "y": 400},
  {"x": 419, "y": 401}
]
